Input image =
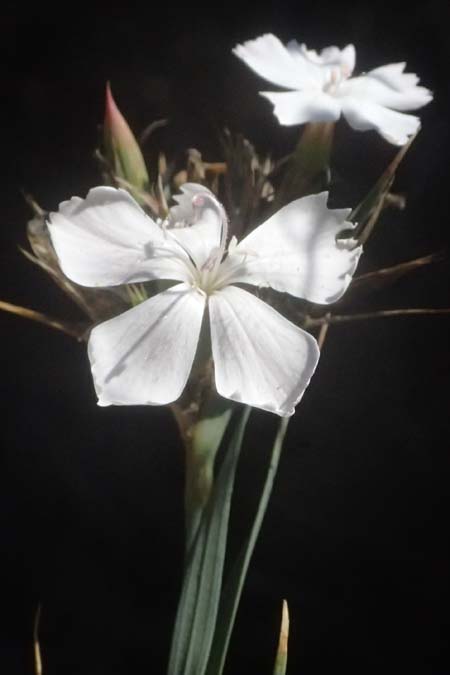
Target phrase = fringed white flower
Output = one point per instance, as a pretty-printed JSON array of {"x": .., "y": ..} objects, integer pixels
[
  {"x": 145, "y": 355},
  {"x": 322, "y": 88}
]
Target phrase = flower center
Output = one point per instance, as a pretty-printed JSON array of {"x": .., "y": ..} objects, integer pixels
[
  {"x": 335, "y": 76},
  {"x": 207, "y": 278}
]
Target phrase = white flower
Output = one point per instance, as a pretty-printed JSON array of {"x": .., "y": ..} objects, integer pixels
[
  {"x": 322, "y": 87},
  {"x": 145, "y": 355}
]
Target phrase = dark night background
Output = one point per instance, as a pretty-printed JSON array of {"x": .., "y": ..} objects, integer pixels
[{"x": 91, "y": 499}]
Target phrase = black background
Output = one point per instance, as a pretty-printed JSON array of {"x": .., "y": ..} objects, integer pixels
[{"x": 91, "y": 499}]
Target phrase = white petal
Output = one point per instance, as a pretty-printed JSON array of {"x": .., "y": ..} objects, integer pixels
[
  {"x": 393, "y": 76},
  {"x": 347, "y": 59},
  {"x": 395, "y": 127},
  {"x": 197, "y": 221},
  {"x": 298, "y": 107},
  {"x": 144, "y": 356},
  {"x": 296, "y": 251},
  {"x": 270, "y": 59},
  {"x": 106, "y": 240},
  {"x": 260, "y": 358},
  {"x": 344, "y": 58},
  {"x": 388, "y": 86}
]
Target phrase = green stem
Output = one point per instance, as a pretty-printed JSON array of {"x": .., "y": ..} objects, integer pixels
[{"x": 308, "y": 168}]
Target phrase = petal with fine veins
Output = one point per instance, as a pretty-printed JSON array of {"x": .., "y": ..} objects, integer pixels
[
  {"x": 298, "y": 107},
  {"x": 107, "y": 240},
  {"x": 270, "y": 59},
  {"x": 296, "y": 251},
  {"x": 144, "y": 356},
  {"x": 260, "y": 358},
  {"x": 395, "y": 127}
]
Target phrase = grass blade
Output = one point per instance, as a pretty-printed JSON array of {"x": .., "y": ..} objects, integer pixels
[
  {"x": 233, "y": 588},
  {"x": 199, "y": 601},
  {"x": 282, "y": 652}
]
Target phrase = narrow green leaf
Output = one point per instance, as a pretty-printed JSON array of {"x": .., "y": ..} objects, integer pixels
[
  {"x": 367, "y": 212},
  {"x": 233, "y": 588},
  {"x": 282, "y": 651},
  {"x": 199, "y": 601}
]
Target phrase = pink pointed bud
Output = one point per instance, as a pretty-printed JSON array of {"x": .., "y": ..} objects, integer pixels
[{"x": 122, "y": 149}]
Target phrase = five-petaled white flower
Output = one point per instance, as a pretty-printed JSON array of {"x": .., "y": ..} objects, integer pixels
[
  {"x": 145, "y": 355},
  {"x": 322, "y": 87}
]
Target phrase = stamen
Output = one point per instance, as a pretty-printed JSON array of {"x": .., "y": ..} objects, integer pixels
[
  {"x": 210, "y": 263},
  {"x": 190, "y": 260},
  {"x": 200, "y": 202}
]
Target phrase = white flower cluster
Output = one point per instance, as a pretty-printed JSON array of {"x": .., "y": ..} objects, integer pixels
[{"x": 145, "y": 355}]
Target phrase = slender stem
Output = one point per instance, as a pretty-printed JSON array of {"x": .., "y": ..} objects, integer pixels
[
  {"x": 323, "y": 333},
  {"x": 380, "y": 314},
  {"x": 361, "y": 213},
  {"x": 42, "y": 318},
  {"x": 307, "y": 168},
  {"x": 394, "y": 271},
  {"x": 368, "y": 227},
  {"x": 150, "y": 129}
]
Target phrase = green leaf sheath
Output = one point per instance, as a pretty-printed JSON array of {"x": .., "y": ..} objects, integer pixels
[
  {"x": 199, "y": 601},
  {"x": 200, "y": 457}
]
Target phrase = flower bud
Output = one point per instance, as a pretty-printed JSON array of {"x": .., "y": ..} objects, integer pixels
[{"x": 122, "y": 150}]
